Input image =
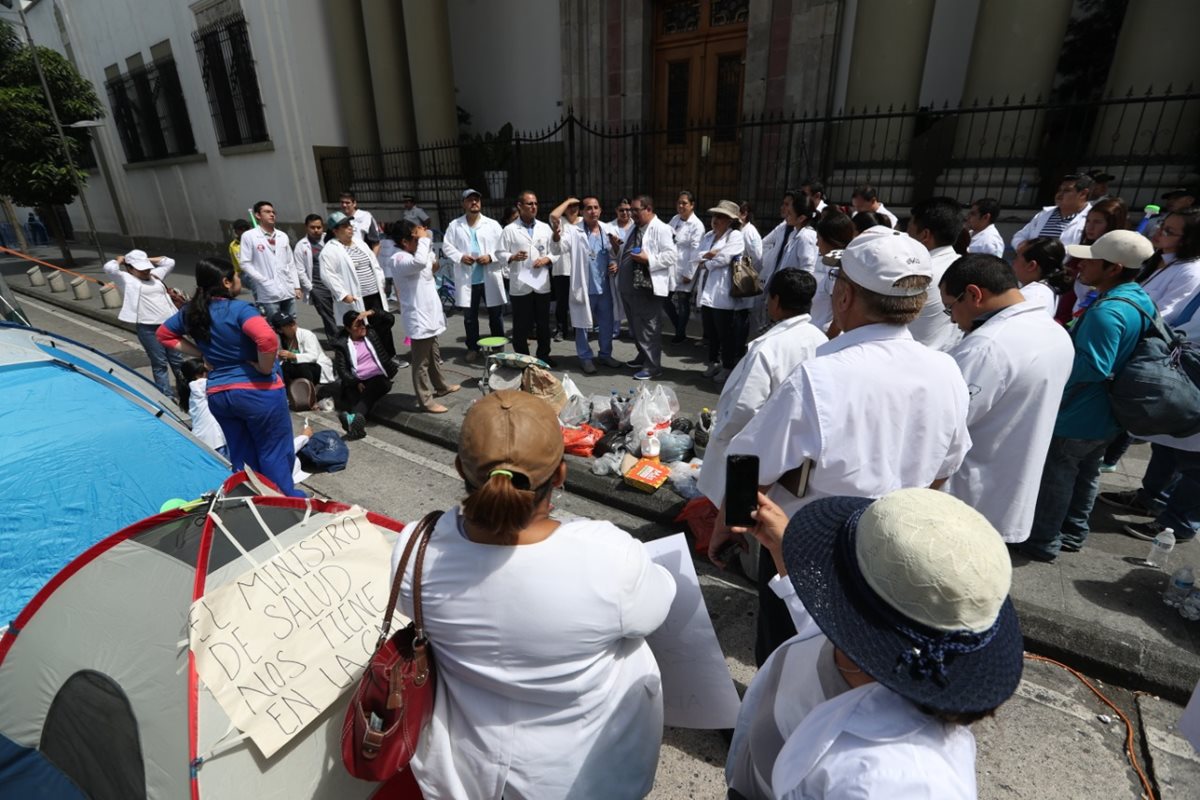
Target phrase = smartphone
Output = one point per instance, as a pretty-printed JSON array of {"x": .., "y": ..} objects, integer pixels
[{"x": 741, "y": 490}]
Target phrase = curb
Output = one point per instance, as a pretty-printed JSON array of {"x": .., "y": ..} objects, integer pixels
[{"x": 108, "y": 317}]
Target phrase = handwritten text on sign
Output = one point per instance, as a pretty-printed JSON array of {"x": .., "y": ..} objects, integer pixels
[{"x": 279, "y": 645}]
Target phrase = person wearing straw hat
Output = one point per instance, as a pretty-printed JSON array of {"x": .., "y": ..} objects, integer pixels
[
  {"x": 727, "y": 317},
  {"x": 546, "y": 687},
  {"x": 907, "y": 636},
  {"x": 873, "y": 412},
  {"x": 146, "y": 303}
]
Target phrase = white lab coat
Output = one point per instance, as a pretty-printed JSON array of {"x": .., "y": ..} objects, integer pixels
[
  {"x": 933, "y": 328},
  {"x": 658, "y": 243},
  {"x": 546, "y": 686},
  {"x": 1172, "y": 286},
  {"x": 270, "y": 268},
  {"x": 204, "y": 425},
  {"x": 573, "y": 244},
  {"x": 420, "y": 307},
  {"x": 987, "y": 241},
  {"x": 515, "y": 238},
  {"x": 337, "y": 271},
  {"x": 801, "y": 251},
  {"x": 1015, "y": 366},
  {"x": 688, "y": 234},
  {"x": 310, "y": 352},
  {"x": 144, "y": 302},
  {"x": 840, "y": 742},
  {"x": 302, "y": 263},
  {"x": 767, "y": 363},
  {"x": 363, "y": 223},
  {"x": 874, "y": 410},
  {"x": 1042, "y": 295},
  {"x": 883, "y": 210},
  {"x": 457, "y": 243},
  {"x": 754, "y": 243},
  {"x": 1072, "y": 231},
  {"x": 719, "y": 269}
]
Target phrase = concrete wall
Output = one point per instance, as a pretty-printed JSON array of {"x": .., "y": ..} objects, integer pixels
[
  {"x": 507, "y": 62},
  {"x": 185, "y": 199}
]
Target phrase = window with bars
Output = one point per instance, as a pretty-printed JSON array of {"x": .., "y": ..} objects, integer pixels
[
  {"x": 231, "y": 81},
  {"x": 150, "y": 113}
]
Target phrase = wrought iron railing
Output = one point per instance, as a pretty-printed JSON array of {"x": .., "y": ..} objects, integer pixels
[{"x": 150, "y": 114}]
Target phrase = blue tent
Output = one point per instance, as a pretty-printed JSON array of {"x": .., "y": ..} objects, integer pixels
[{"x": 88, "y": 447}]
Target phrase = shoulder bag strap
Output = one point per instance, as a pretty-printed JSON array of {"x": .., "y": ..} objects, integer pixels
[
  {"x": 1156, "y": 322},
  {"x": 418, "y": 574},
  {"x": 422, "y": 531}
]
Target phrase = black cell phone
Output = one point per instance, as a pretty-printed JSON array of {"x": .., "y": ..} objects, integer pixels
[{"x": 741, "y": 490}]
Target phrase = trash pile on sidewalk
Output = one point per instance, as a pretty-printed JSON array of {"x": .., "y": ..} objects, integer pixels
[{"x": 640, "y": 436}]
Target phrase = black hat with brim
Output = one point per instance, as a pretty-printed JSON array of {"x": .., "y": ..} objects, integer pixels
[{"x": 977, "y": 673}]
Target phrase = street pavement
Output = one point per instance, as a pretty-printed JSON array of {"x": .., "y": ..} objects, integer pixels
[{"x": 1098, "y": 610}]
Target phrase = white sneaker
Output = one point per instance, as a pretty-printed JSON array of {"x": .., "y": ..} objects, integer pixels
[
  {"x": 712, "y": 370},
  {"x": 325, "y": 404}
]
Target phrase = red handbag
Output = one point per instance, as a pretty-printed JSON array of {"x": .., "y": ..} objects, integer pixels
[{"x": 394, "y": 699}]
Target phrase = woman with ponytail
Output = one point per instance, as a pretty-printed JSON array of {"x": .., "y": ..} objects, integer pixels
[
  {"x": 546, "y": 686},
  {"x": 245, "y": 390},
  {"x": 1039, "y": 267}
]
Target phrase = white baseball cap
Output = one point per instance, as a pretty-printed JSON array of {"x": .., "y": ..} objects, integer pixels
[
  {"x": 138, "y": 260},
  {"x": 469, "y": 192},
  {"x": 879, "y": 257},
  {"x": 1127, "y": 248}
]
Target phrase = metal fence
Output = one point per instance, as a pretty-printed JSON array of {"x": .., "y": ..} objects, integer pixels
[{"x": 1013, "y": 151}]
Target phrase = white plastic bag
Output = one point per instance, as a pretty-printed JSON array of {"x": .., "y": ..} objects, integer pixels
[
  {"x": 575, "y": 412},
  {"x": 654, "y": 410},
  {"x": 571, "y": 389}
]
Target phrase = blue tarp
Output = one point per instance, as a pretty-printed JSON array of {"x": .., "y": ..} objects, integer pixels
[
  {"x": 79, "y": 461},
  {"x": 25, "y": 773}
]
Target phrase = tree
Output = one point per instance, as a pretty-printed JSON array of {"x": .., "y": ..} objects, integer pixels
[{"x": 33, "y": 168}]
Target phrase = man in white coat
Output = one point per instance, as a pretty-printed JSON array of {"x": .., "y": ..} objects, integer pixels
[
  {"x": 689, "y": 229},
  {"x": 525, "y": 248},
  {"x": 769, "y": 360},
  {"x": 1015, "y": 359},
  {"x": 936, "y": 224},
  {"x": 307, "y": 259},
  {"x": 366, "y": 229},
  {"x": 471, "y": 243},
  {"x": 1065, "y": 219},
  {"x": 267, "y": 258},
  {"x": 866, "y": 198},
  {"x": 591, "y": 250},
  {"x": 875, "y": 411},
  {"x": 643, "y": 277},
  {"x": 981, "y": 222}
]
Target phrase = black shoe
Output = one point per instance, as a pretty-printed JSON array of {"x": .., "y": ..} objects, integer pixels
[
  {"x": 358, "y": 428},
  {"x": 637, "y": 363},
  {"x": 344, "y": 418},
  {"x": 679, "y": 338},
  {"x": 588, "y": 367},
  {"x": 1146, "y": 531},
  {"x": 550, "y": 362},
  {"x": 1129, "y": 501},
  {"x": 610, "y": 362}
]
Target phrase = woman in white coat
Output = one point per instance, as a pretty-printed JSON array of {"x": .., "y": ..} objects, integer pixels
[
  {"x": 1172, "y": 275},
  {"x": 792, "y": 244},
  {"x": 413, "y": 267},
  {"x": 726, "y": 316},
  {"x": 906, "y": 636},
  {"x": 146, "y": 303},
  {"x": 1038, "y": 266},
  {"x": 355, "y": 279},
  {"x": 546, "y": 687}
]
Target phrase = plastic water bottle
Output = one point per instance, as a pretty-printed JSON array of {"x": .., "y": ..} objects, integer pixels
[
  {"x": 1190, "y": 607},
  {"x": 1160, "y": 548},
  {"x": 1148, "y": 217},
  {"x": 1178, "y": 588}
]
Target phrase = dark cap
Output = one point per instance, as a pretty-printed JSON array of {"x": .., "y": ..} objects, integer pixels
[
  {"x": 281, "y": 318},
  {"x": 1193, "y": 191}
]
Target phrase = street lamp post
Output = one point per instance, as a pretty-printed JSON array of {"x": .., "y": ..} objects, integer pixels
[{"x": 62, "y": 136}]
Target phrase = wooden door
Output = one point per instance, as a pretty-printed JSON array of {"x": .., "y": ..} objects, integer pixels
[{"x": 699, "y": 77}]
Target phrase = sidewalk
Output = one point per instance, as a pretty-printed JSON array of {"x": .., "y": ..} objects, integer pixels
[{"x": 1098, "y": 610}]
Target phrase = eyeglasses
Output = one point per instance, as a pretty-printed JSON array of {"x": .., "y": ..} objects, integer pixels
[
  {"x": 636, "y": 209},
  {"x": 949, "y": 310},
  {"x": 831, "y": 278}
]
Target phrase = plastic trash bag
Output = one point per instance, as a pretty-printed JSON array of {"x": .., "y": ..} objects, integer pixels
[
  {"x": 685, "y": 476},
  {"x": 674, "y": 447},
  {"x": 654, "y": 409},
  {"x": 608, "y": 464},
  {"x": 580, "y": 441},
  {"x": 575, "y": 412},
  {"x": 701, "y": 516}
]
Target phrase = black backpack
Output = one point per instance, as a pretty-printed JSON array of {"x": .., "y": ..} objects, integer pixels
[{"x": 1157, "y": 392}]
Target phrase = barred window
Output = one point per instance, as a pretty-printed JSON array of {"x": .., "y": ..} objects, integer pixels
[
  {"x": 231, "y": 82},
  {"x": 150, "y": 113}
]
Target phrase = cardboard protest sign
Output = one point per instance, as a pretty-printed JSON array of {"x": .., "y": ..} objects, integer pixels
[
  {"x": 698, "y": 691},
  {"x": 281, "y": 643}
]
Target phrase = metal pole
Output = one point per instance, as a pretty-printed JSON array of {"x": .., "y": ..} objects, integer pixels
[{"x": 62, "y": 137}]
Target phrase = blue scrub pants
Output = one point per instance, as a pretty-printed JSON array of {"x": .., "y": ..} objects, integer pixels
[{"x": 258, "y": 431}]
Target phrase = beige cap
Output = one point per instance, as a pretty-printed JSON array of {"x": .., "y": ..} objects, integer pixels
[
  {"x": 511, "y": 431},
  {"x": 727, "y": 208},
  {"x": 1127, "y": 248}
]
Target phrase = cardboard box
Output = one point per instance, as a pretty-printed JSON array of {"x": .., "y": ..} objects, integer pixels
[{"x": 647, "y": 475}]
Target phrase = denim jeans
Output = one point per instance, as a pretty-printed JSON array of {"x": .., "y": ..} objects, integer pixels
[
  {"x": 160, "y": 358},
  {"x": 1174, "y": 475},
  {"x": 269, "y": 310},
  {"x": 1070, "y": 481},
  {"x": 471, "y": 317},
  {"x": 602, "y": 315}
]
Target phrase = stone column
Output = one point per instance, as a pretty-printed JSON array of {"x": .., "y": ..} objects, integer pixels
[
  {"x": 354, "y": 100},
  {"x": 427, "y": 32},
  {"x": 391, "y": 87},
  {"x": 1035, "y": 29}
]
